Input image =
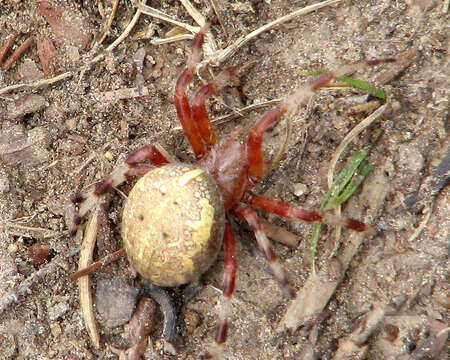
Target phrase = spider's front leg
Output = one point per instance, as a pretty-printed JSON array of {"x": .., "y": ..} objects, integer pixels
[
  {"x": 131, "y": 167},
  {"x": 195, "y": 120},
  {"x": 199, "y": 105},
  {"x": 181, "y": 100},
  {"x": 288, "y": 105}
]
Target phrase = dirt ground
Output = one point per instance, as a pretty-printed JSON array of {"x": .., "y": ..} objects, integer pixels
[{"x": 60, "y": 138}]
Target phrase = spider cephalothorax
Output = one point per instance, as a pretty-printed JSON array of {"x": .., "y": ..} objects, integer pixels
[{"x": 177, "y": 215}]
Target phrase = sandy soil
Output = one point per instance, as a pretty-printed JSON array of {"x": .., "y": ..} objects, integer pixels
[{"x": 58, "y": 139}]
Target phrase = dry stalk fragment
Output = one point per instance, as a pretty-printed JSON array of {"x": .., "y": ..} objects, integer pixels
[
  {"x": 18, "y": 53},
  {"x": 84, "y": 284}
]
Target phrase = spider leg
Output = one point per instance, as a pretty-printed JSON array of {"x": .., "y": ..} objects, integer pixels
[
  {"x": 229, "y": 277},
  {"x": 289, "y": 104},
  {"x": 181, "y": 100},
  {"x": 131, "y": 167},
  {"x": 199, "y": 111},
  {"x": 252, "y": 219},
  {"x": 290, "y": 211}
]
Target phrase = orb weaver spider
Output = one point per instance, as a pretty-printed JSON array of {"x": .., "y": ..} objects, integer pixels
[{"x": 177, "y": 214}]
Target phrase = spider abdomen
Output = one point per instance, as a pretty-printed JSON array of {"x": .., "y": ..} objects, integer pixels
[{"x": 173, "y": 223}]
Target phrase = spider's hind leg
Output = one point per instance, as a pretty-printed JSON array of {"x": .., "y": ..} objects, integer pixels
[
  {"x": 131, "y": 167},
  {"x": 251, "y": 217}
]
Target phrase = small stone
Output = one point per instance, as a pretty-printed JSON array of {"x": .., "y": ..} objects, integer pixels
[
  {"x": 299, "y": 189},
  {"x": 108, "y": 155},
  {"x": 399, "y": 300},
  {"x": 391, "y": 332},
  {"x": 55, "y": 329},
  {"x": 29, "y": 72},
  {"x": 58, "y": 310},
  {"x": 191, "y": 320},
  {"x": 410, "y": 157},
  {"x": 13, "y": 248},
  {"x": 25, "y": 105},
  {"x": 4, "y": 182},
  {"x": 115, "y": 301},
  {"x": 27, "y": 149}
]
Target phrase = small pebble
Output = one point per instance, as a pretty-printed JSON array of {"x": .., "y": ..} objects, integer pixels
[
  {"x": 58, "y": 310},
  {"x": 410, "y": 158},
  {"x": 299, "y": 189},
  {"x": 25, "y": 105},
  {"x": 108, "y": 155},
  {"x": 4, "y": 182},
  {"x": 399, "y": 300},
  {"x": 191, "y": 320},
  {"x": 38, "y": 253},
  {"x": 115, "y": 301},
  {"x": 391, "y": 331}
]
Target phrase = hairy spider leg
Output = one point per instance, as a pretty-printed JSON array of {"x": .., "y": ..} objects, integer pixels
[
  {"x": 229, "y": 278},
  {"x": 198, "y": 104},
  {"x": 250, "y": 216},
  {"x": 288, "y": 105},
  {"x": 181, "y": 99},
  {"x": 290, "y": 211},
  {"x": 131, "y": 167}
]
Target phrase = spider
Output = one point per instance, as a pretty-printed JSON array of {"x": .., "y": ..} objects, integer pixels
[{"x": 177, "y": 214}]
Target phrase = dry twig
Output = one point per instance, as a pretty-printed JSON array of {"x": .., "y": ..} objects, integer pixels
[
  {"x": 5, "y": 48},
  {"x": 18, "y": 53},
  {"x": 353, "y": 346},
  {"x": 110, "y": 21},
  {"x": 84, "y": 285},
  {"x": 24, "y": 288}
]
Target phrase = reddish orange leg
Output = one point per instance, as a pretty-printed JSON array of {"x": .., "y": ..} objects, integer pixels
[
  {"x": 252, "y": 219},
  {"x": 199, "y": 111},
  {"x": 181, "y": 100},
  {"x": 289, "y": 104},
  {"x": 131, "y": 167},
  {"x": 229, "y": 278},
  {"x": 290, "y": 211}
]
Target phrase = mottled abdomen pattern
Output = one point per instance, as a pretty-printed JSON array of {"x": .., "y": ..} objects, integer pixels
[{"x": 173, "y": 223}]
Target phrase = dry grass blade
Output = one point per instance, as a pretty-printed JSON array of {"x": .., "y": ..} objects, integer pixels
[
  {"x": 110, "y": 21},
  {"x": 222, "y": 55},
  {"x": 84, "y": 284},
  {"x": 18, "y": 53},
  {"x": 148, "y": 10},
  {"x": 30, "y": 231},
  {"x": 349, "y": 138},
  {"x": 195, "y": 14}
]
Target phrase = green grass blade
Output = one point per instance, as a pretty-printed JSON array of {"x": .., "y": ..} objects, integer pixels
[
  {"x": 353, "y": 82},
  {"x": 346, "y": 184},
  {"x": 363, "y": 85},
  {"x": 356, "y": 180},
  {"x": 344, "y": 177},
  {"x": 317, "y": 229}
]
